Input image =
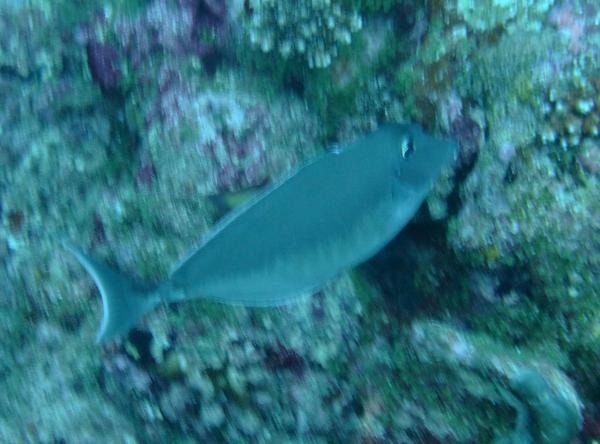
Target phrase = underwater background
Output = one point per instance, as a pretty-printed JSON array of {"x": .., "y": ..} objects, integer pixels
[{"x": 128, "y": 126}]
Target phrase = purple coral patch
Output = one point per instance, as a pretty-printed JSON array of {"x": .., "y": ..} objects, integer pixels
[
  {"x": 468, "y": 133},
  {"x": 281, "y": 357},
  {"x": 103, "y": 62}
]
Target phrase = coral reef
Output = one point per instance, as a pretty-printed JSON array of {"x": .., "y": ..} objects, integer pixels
[{"x": 480, "y": 323}]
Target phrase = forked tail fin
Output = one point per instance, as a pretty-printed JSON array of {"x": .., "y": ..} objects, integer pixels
[{"x": 124, "y": 301}]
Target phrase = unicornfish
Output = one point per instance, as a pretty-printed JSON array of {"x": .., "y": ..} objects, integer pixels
[{"x": 296, "y": 235}]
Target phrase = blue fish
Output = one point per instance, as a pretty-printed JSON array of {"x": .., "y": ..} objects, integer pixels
[{"x": 291, "y": 239}]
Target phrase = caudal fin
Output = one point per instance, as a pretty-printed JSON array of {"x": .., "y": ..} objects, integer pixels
[{"x": 124, "y": 301}]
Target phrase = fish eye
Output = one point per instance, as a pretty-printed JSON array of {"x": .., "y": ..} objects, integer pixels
[{"x": 407, "y": 147}]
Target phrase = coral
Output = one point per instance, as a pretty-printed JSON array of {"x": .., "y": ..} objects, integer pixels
[
  {"x": 118, "y": 124},
  {"x": 243, "y": 369},
  {"x": 511, "y": 78},
  {"x": 547, "y": 394},
  {"x": 220, "y": 130},
  {"x": 528, "y": 216},
  {"x": 54, "y": 139},
  {"x": 572, "y": 111},
  {"x": 572, "y": 23},
  {"x": 55, "y": 372},
  {"x": 32, "y": 46},
  {"x": 489, "y": 14},
  {"x": 428, "y": 82},
  {"x": 377, "y": 6},
  {"x": 127, "y": 45},
  {"x": 311, "y": 30},
  {"x": 524, "y": 226},
  {"x": 103, "y": 65}
]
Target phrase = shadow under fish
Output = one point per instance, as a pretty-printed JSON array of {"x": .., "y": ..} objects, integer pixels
[{"x": 296, "y": 235}]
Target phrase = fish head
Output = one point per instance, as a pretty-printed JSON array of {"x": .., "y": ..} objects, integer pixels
[{"x": 420, "y": 157}]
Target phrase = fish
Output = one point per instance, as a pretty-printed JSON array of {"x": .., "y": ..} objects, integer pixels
[{"x": 295, "y": 236}]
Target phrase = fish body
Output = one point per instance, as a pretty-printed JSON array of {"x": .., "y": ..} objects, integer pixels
[{"x": 329, "y": 216}]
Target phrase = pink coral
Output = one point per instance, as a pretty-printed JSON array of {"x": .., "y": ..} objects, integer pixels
[{"x": 565, "y": 19}]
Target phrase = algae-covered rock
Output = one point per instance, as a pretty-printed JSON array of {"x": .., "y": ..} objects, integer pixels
[
  {"x": 554, "y": 405},
  {"x": 547, "y": 406}
]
